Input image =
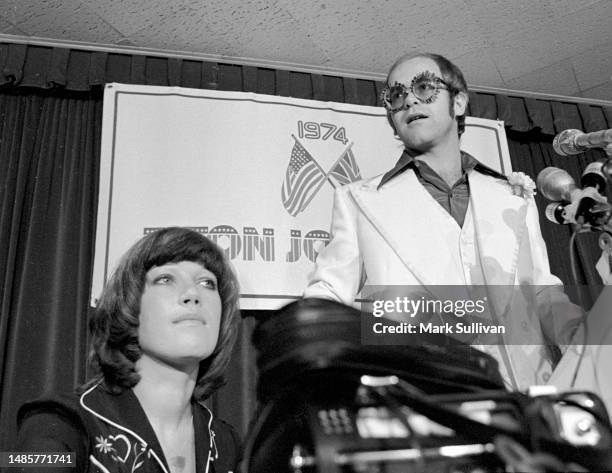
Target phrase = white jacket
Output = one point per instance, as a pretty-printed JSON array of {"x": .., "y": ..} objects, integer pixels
[{"x": 399, "y": 235}]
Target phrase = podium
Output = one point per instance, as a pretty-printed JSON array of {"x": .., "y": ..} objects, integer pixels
[{"x": 595, "y": 370}]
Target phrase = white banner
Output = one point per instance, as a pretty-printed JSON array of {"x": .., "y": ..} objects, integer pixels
[{"x": 256, "y": 173}]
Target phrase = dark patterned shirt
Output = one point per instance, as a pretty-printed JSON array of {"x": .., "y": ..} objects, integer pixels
[{"x": 454, "y": 199}]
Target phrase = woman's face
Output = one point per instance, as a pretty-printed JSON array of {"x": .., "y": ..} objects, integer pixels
[{"x": 180, "y": 313}]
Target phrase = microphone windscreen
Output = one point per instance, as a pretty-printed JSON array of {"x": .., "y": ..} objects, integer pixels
[
  {"x": 555, "y": 184},
  {"x": 564, "y": 143},
  {"x": 554, "y": 212}
]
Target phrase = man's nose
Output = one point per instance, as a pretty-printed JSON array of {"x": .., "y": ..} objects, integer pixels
[{"x": 409, "y": 100}]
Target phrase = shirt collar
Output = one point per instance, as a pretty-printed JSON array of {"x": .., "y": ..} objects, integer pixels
[
  {"x": 125, "y": 412},
  {"x": 468, "y": 163}
]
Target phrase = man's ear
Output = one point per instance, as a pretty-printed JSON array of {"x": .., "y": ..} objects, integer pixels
[
  {"x": 390, "y": 120},
  {"x": 460, "y": 105}
]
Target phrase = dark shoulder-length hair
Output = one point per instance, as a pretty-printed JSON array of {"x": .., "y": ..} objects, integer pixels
[
  {"x": 114, "y": 325},
  {"x": 451, "y": 74}
]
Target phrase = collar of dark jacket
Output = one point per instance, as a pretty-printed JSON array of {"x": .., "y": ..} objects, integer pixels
[
  {"x": 124, "y": 412},
  {"x": 468, "y": 163}
]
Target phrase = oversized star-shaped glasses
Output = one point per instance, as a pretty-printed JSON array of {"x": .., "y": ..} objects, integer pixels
[{"x": 425, "y": 86}]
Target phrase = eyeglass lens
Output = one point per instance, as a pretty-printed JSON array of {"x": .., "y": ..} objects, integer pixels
[{"x": 423, "y": 89}]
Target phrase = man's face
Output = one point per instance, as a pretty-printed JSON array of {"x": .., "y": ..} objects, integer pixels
[{"x": 422, "y": 125}]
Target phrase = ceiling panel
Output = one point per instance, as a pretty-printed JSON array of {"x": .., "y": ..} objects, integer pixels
[
  {"x": 559, "y": 76},
  {"x": 519, "y": 16},
  {"x": 130, "y": 16},
  {"x": 62, "y": 19},
  {"x": 500, "y": 43},
  {"x": 601, "y": 92},
  {"x": 592, "y": 64},
  {"x": 478, "y": 69}
]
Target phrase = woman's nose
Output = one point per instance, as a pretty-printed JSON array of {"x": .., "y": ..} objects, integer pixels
[{"x": 190, "y": 295}]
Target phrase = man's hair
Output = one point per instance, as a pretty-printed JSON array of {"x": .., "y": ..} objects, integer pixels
[
  {"x": 451, "y": 74},
  {"x": 114, "y": 325}
]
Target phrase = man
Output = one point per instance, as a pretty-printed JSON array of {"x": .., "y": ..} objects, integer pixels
[{"x": 440, "y": 217}]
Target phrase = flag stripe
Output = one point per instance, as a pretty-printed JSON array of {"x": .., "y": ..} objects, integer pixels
[
  {"x": 307, "y": 182},
  {"x": 346, "y": 170},
  {"x": 302, "y": 179}
]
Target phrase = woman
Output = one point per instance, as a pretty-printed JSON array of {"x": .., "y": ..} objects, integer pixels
[{"x": 162, "y": 336}]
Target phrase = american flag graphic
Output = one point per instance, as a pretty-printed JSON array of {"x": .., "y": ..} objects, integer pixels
[
  {"x": 303, "y": 179},
  {"x": 346, "y": 170}
]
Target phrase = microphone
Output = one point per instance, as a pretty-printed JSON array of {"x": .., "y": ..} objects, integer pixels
[
  {"x": 556, "y": 184},
  {"x": 577, "y": 205},
  {"x": 587, "y": 210},
  {"x": 570, "y": 142},
  {"x": 593, "y": 176},
  {"x": 555, "y": 212}
]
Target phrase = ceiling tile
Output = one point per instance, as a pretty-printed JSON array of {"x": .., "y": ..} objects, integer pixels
[
  {"x": 233, "y": 28},
  {"x": 8, "y": 10},
  {"x": 296, "y": 47},
  {"x": 6, "y": 27},
  {"x": 501, "y": 20},
  {"x": 129, "y": 16},
  {"x": 566, "y": 7},
  {"x": 444, "y": 27},
  {"x": 600, "y": 92},
  {"x": 479, "y": 69},
  {"x": 350, "y": 33},
  {"x": 498, "y": 20},
  {"x": 62, "y": 19},
  {"x": 585, "y": 28},
  {"x": 593, "y": 66},
  {"x": 558, "y": 79},
  {"x": 553, "y": 41},
  {"x": 521, "y": 56}
]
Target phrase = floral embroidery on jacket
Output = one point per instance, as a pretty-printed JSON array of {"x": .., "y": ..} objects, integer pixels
[{"x": 120, "y": 449}]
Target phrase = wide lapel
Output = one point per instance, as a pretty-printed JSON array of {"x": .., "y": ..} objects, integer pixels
[
  {"x": 124, "y": 412},
  {"x": 499, "y": 223},
  {"x": 402, "y": 212}
]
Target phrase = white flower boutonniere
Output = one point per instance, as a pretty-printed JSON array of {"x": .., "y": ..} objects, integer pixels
[{"x": 521, "y": 184}]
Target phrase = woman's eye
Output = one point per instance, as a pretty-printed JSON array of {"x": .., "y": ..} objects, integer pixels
[
  {"x": 208, "y": 283},
  {"x": 163, "y": 279}
]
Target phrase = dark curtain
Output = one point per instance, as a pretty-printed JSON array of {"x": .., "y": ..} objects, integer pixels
[
  {"x": 531, "y": 152},
  {"x": 49, "y": 154},
  {"x": 50, "y": 127}
]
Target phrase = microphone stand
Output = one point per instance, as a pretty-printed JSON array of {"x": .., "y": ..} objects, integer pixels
[{"x": 605, "y": 239}]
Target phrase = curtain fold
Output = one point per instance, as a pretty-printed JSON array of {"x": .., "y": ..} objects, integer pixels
[
  {"x": 50, "y": 128},
  {"x": 49, "y": 157},
  {"x": 76, "y": 70}
]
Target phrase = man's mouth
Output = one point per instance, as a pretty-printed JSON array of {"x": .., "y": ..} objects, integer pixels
[{"x": 414, "y": 118}]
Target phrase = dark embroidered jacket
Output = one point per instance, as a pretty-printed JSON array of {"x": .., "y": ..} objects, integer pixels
[{"x": 111, "y": 433}]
